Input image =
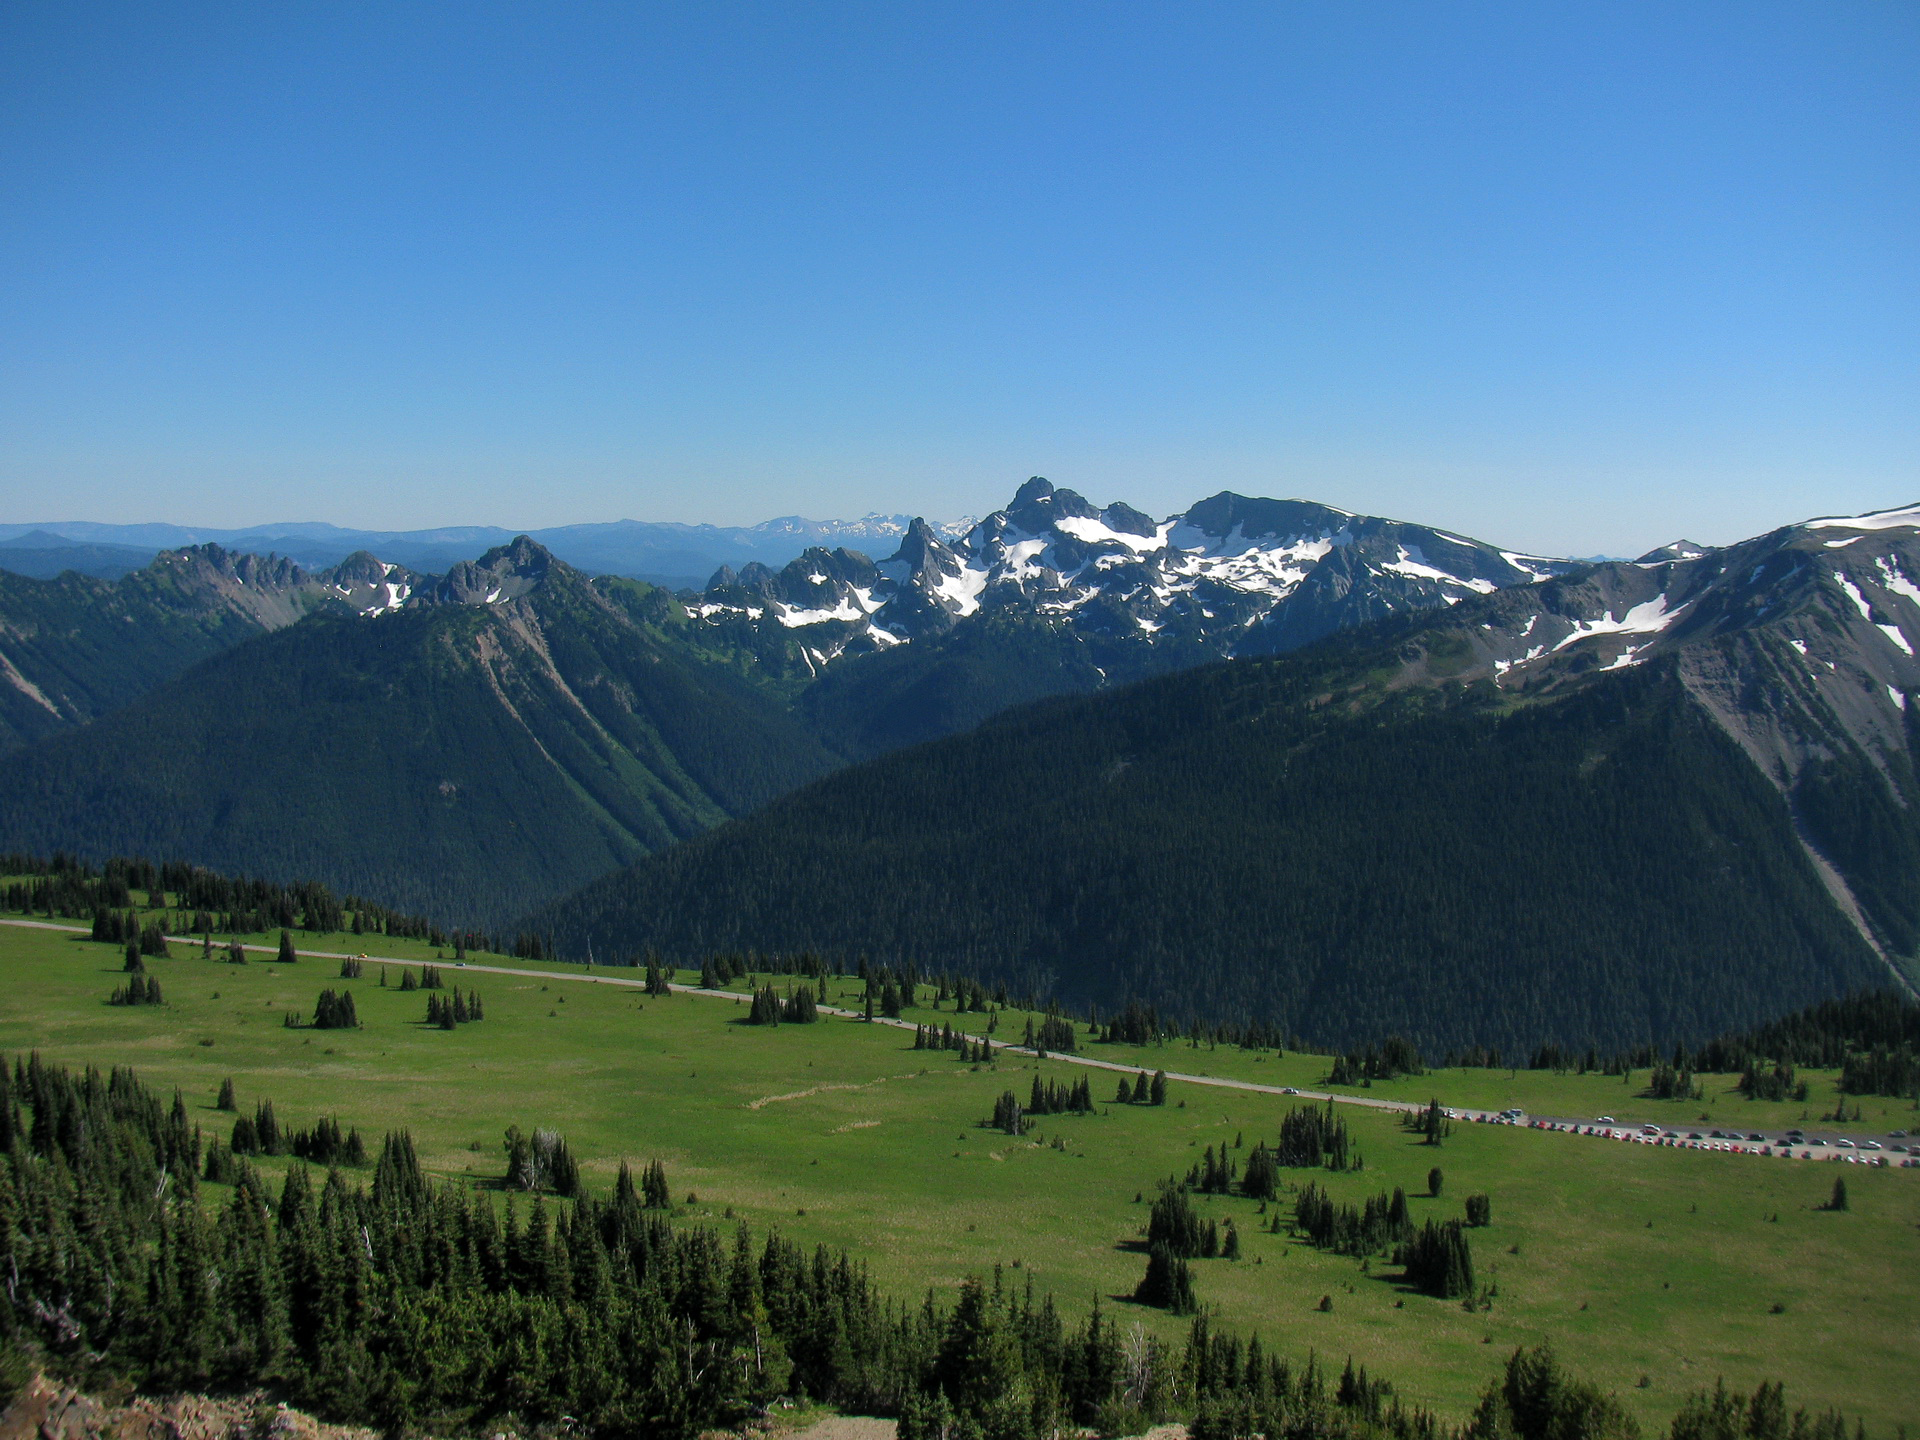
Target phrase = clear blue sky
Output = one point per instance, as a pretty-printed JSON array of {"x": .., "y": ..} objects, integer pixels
[{"x": 1575, "y": 277}]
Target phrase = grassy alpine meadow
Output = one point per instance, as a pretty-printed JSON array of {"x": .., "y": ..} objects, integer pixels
[{"x": 1654, "y": 1271}]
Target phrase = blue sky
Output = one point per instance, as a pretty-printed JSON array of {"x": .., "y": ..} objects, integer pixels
[{"x": 1579, "y": 278}]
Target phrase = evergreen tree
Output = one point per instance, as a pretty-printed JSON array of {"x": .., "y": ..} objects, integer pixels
[
  {"x": 654, "y": 1194},
  {"x": 226, "y": 1100},
  {"x": 1168, "y": 1283},
  {"x": 287, "y": 954},
  {"x": 1434, "y": 1181},
  {"x": 765, "y": 1009}
]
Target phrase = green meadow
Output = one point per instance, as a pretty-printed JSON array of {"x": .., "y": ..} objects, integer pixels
[{"x": 1654, "y": 1271}]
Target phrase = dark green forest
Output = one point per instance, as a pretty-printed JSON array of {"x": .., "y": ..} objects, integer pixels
[{"x": 1280, "y": 843}]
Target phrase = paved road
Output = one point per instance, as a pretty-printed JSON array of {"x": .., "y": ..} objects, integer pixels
[{"x": 1627, "y": 1134}]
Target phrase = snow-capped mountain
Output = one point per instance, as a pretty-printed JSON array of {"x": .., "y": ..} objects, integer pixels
[{"x": 1237, "y": 576}]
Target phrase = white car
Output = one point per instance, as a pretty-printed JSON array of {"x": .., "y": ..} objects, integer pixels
[{"x": 1606, "y": 1120}]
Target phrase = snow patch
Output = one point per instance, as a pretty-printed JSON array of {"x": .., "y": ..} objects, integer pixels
[
  {"x": 1897, "y": 698},
  {"x": 1853, "y": 594},
  {"x": 1907, "y": 517},
  {"x": 1095, "y": 532},
  {"x": 962, "y": 591},
  {"x": 1892, "y": 632},
  {"x": 1894, "y": 580},
  {"x": 1648, "y": 617}
]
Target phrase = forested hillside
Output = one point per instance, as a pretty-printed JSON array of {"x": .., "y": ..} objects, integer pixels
[
  {"x": 74, "y": 647},
  {"x": 1604, "y": 869},
  {"x": 462, "y": 759}
]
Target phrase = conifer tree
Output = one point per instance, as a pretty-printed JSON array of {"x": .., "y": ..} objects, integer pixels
[
  {"x": 766, "y": 1007},
  {"x": 654, "y": 1194},
  {"x": 226, "y": 1101},
  {"x": 1157, "y": 1095},
  {"x": 1168, "y": 1283},
  {"x": 287, "y": 955},
  {"x": 1434, "y": 1181}
]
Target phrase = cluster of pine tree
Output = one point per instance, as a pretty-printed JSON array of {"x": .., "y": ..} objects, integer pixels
[
  {"x": 324, "y": 1143},
  {"x": 70, "y": 888},
  {"x": 1173, "y": 1225},
  {"x": 1137, "y": 1024},
  {"x": 333, "y": 1011},
  {"x": 259, "y": 1134},
  {"x": 1881, "y": 1071},
  {"x": 139, "y": 990},
  {"x": 659, "y": 980},
  {"x": 1667, "y": 1082},
  {"x": 970, "y": 1050},
  {"x": 1776, "y": 1082},
  {"x": 1215, "y": 1173},
  {"x": 1438, "y": 1260},
  {"x": 1258, "y": 1407},
  {"x": 654, "y": 1194},
  {"x": 1371, "y": 1228},
  {"x": 541, "y": 1162},
  {"x": 445, "y": 1012},
  {"x": 427, "y": 979},
  {"x": 1145, "y": 1090},
  {"x": 1394, "y": 1057},
  {"x": 1009, "y": 1115},
  {"x": 1055, "y": 1032},
  {"x": 1433, "y": 1123},
  {"x": 1168, "y": 1283},
  {"x": 799, "y": 1008},
  {"x": 1311, "y": 1137},
  {"x": 967, "y": 994},
  {"x": 529, "y": 946},
  {"x": 600, "y": 1317},
  {"x": 352, "y": 968},
  {"x": 118, "y": 927},
  {"x": 717, "y": 971},
  {"x": 1049, "y": 1097}
]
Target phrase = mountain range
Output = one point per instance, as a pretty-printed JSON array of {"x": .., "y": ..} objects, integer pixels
[
  {"x": 677, "y": 556},
  {"x": 1626, "y": 804},
  {"x": 1260, "y": 759},
  {"x": 466, "y": 745}
]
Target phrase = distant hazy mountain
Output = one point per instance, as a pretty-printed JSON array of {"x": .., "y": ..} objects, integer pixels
[
  {"x": 1638, "y": 801},
  {"x": 468, "y": 746},
  {"x": 679, "y": 556},
  {"x": 43, "y": 555}
]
